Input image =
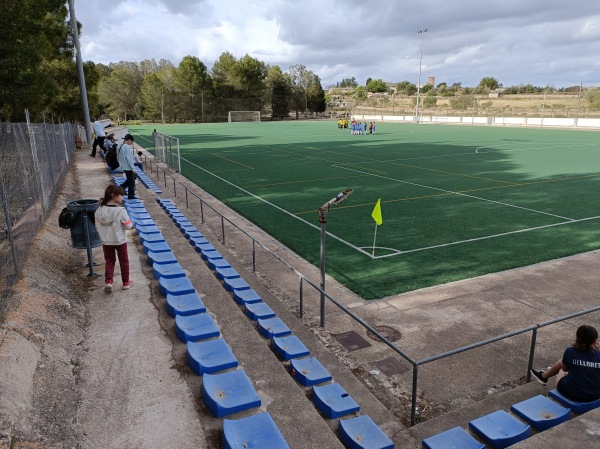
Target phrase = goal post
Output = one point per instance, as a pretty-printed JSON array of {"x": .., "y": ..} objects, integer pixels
[
  {"x": 166, "y": 148},
  {"x": 243, "y": 116}
]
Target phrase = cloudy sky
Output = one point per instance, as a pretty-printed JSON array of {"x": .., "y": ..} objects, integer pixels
[{"x": 539, "y": 42}]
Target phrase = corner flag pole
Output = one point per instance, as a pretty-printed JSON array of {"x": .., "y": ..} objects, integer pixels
[{"x": 376, "y": 214}]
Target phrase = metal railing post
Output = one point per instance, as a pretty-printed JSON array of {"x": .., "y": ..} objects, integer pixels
[
  {"x": 187, "y": 204},
  {"x": 413, "y": 406},
  {"x": 301, "y": 296},
  {"x": 223, "y": 227},
  {"x": 253, "y": 256},
  {"x": 531, "y": 353}
]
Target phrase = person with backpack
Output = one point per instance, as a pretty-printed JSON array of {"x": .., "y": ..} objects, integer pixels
[
  {"x": 125, "y": 158},
  {"x": 112, "y": 221}
]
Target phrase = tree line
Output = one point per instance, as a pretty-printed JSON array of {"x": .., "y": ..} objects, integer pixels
[{"x": 38, "y": 72}]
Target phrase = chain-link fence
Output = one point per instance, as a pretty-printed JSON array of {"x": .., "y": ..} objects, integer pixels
[{"x": 34, "y": 158}]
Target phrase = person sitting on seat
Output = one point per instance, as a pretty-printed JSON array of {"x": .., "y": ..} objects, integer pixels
[{"x": 578, "y": 372}]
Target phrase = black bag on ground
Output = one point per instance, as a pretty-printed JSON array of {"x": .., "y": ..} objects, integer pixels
[
  {"x": 111, "y": 157},
  {"x": 66, "y": 218}
]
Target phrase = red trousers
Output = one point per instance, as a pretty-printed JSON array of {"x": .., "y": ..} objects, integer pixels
[{"x": 110, "y": 260}]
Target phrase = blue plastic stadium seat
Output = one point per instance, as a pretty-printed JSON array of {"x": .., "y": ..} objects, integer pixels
[
  {"x": 290, "y": 347},
  {"x": 190, "y": 234},
  {"x": 181, "y": 221},
  {"x": 156, "y": 247},
  {"x": 226, "y": 273},
  {"x": 244, "y": 297},
  {"x": 232, "y": 284},
  {"x": 213, "y": 259},
  {"x": 140, "y": 216},
  {"x": 150, "y": 238},
  {"x": 212, "y": 356},
  {"x": 203, "y": 247},
  {"x": 148, "y": 229},
  {"x": 195, "y": 327},
  {"x": 256, "y": 310},
  {"x": 213, "y": 264},
  {"x": 333, "y": 401},
  {"x": 273, "y": 327},
  {"x": 453, "y": 438},
  {"x": 189, "y": 227},
  {"x": 541, "y": 412},
  {"x": 154, "y": 257},
  {"x": 309, "y": 371},
  {"x": 362, "y": 433},
  {"x": 175, "y": 286},
  {"x": 147, "y": 222},
  {"x": 189, "y": 304},
  {"x": 500, "y": 430},
  {"x": 228, "y": 393},
  {"x": 168, "y": 270},
  {"x": 255, "y": 432},
  {"x": 576, "y": 407}
]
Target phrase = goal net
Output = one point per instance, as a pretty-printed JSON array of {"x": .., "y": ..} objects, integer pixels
[{"x": 243, "y": 116}]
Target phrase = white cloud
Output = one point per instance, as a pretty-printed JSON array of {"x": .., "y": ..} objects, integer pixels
[{"x": 517, "y": 42}]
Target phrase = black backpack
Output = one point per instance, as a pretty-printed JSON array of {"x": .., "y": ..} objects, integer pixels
[
  {"x": 66, "y": 218},
  {"x": 111, "y": 158}
]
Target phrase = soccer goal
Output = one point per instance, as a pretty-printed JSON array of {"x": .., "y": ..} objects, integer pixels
[
  {"x": 166, "y": 148},
  {"x": 243, "y": 116}
]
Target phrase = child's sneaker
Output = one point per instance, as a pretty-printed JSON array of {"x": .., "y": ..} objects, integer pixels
[
  {"x": 108, "y": 287},
  {"x": 539, "y": 376},
  {"x": 127, "y": 284}
]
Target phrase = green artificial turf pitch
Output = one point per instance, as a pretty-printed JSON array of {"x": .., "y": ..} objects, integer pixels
[{"x": 456, "y": 201}]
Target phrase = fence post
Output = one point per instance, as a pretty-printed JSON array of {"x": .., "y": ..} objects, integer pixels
[
  {"x": 413, "y": 407},
  {"x": 531, "y": 353},
  {"x": 253, "y": 256},
  {"x": 301, "y": 296},
  {"x": 8, "y": 222},
  {"x": 223, "y": 228}
]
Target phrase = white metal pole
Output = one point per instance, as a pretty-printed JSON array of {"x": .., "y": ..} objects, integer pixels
[{"x": 422, "y": 33}]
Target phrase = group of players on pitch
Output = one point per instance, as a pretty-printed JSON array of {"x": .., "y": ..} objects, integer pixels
[{"x": 356, "y": 127}]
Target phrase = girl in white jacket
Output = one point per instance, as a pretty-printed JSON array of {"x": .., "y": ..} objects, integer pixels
[{"x": 111, "y": 221}]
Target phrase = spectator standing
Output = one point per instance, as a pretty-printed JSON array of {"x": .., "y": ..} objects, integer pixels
[
  {"x": 125, "y": 158},
  {"x": 112, "y": 221},
  {"x": 100, "y": 136}
]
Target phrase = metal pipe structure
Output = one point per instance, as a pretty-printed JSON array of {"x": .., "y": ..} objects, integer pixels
[
  {"x": 422, "y": 33},
  {"x": 82, "y": 88}
]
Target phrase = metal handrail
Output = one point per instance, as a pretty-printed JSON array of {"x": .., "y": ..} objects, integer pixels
[{"x": 415, "y": 363}]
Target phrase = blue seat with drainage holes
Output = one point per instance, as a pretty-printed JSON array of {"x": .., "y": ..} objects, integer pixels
[
  {"x": 148, "y": 229},
  {"x": 333, "y": 401},
  {"x": 184, "y": 305},
  {"x": 232, "y": 284},
  {"x": 195, "y": 327},
  {"x": 156, "y": 247},
  {"x": 500, "y": 430},
  {"x": 453, "y": 438},
  {"x": 244, "y": 297},
  {"x": 289, "y": 347},
  {"x": 256, "y": 310},
  {"x": 541, "y": 412},
  {"x": 362, "y": 433},
  {"x": 228, "y": 393},
  {"x": 226, "y": 273},
  {"x": 254, "y": 432},
  {"x": 175, "y": 286},
  {"x": 167, "y": 270},
  {"x": 309, "y": 371},
  {"x": 211, "y": 356},
  {"x": 576, "y": 407},
  {"x": 151, "y": 238},
  {"x": 273, "y": 327},
  {"x": 166, "y": 257}
]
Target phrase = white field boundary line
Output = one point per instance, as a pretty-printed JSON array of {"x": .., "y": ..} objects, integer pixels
[
  {"x": 360, "y": 250},
  {"x": 455, "y": 193},
  {"x": 487, "y": 237},
  {"x": 528, "y": 149}
]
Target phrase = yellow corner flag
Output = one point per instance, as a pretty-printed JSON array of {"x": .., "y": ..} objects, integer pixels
[{"x": 377, "y": 213}]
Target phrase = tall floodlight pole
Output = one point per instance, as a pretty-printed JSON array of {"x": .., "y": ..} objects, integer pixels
[
  {"x": 82, "y": 89},
  {"x": 422, "y": 33}
]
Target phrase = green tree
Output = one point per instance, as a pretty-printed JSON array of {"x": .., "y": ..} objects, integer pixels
[
  {"x": 348, "y": 82},
  {"x": 429, "y": 101},
  {"x": 376, "y": 86},
  {"x": 277, "y": 92},
  {"x": 463, "y": 102},
  {"x": 488, "y": 83},
  {"x": 120, "y": 91},
  {"x": 316, "y": 95},
  {"x": 360, "y": 93},
  {"x": 193, "y": 81},
  {"x": 426, "y": 88},
  {"x": 406, "y": 88},
  {"x": 593, "y": 98}
]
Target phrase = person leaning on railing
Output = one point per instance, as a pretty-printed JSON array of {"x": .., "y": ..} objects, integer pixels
[{"x": 578, "y": 372}]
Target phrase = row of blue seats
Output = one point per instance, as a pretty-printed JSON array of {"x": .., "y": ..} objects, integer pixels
[
  {"x": 500, "y": 429},
  {"x": 330, "y": 399},
  {"x": 224, "y": 392},
  {"x": 144, "y": 179}
]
